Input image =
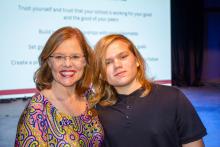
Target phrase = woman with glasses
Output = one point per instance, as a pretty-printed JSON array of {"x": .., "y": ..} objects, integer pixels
[
  {"x": 135, "y": 112},
  {"x": 60, "y": 114}
]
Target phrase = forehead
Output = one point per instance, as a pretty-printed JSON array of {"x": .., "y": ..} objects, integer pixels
[
  {"x": 116, "y": 48},
  {"x": 70, "y": 45}
]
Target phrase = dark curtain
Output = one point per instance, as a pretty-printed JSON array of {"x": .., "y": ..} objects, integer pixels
[{"x": 187, "y": 42}]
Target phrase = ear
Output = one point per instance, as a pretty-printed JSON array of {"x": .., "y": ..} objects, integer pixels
[{"x": 137, "y": 64}]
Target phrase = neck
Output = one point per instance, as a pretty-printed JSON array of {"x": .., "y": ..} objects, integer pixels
[
  {"x": 66, "y": 100},
  {"x": 128, "y": 89},
  {"x": 62, "y": 93}
]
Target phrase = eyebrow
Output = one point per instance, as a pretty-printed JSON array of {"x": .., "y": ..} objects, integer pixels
[{"x": 119, "y": 54}]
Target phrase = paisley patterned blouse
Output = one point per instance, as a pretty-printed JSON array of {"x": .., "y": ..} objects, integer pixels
[{"x": 41, "y": 124}]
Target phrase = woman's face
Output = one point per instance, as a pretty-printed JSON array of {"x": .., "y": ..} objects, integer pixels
[
  {"x": 121, "y": 67},
  {"x": 67, "y": 63}
]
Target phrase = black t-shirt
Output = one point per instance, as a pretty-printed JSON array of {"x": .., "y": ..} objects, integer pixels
[{"x": 164, "y": 118}]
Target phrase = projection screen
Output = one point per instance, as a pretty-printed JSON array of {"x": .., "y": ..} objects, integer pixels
[{"x": 27, "y": 24}]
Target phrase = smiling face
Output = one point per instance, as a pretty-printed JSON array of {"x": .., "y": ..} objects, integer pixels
[
  {"x": 67, "y": 71},
  {"x": 121, "y": 67}
]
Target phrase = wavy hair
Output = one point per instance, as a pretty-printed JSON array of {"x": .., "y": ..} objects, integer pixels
[
  {"x": 105, "y": 93},
  {"x": 43, "y": 76}
]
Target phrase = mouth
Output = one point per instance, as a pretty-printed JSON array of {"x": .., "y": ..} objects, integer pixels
[
  {"x": 120, "y": 74},
  {"x": 68, "y": 73}
]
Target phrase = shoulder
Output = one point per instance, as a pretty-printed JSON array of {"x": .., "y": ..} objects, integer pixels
[
  {"x": 31, "y": 121},
  {"x": 173, "y": 97},
  {"x": 34, "y": 109},
  {"x": 166, "y": 91},
  {"x": 37, "y": 101},
  {"x": 167, "y": 95},
  {"x": 35, "y": 106}
]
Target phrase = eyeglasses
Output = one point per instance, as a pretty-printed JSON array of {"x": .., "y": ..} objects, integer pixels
[{"x": 60, "y": 59}]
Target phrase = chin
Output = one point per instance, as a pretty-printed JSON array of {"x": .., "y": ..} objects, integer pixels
[
  {"x": 68, "y": 84},
  {"x": 121, "y": 84}
]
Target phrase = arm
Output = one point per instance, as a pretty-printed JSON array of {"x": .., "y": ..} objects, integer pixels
[
  {"x": 29, "y": 130},
  {"x": 198, "y": 143},
  {"x": 191, "y": 128}
]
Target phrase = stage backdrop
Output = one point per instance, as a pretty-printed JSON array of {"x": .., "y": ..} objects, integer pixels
[{"x": 27, "y": 24}]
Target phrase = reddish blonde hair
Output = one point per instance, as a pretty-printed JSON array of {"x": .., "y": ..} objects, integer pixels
[
  {"x": 43, "y": 76},
  {"x": 106, "y": 93}
]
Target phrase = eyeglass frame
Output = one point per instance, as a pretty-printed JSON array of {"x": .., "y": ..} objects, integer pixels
[{"x": 61, "y": 59}]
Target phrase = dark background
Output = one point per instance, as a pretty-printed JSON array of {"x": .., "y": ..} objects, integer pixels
[{"x": 195, "y": 46}]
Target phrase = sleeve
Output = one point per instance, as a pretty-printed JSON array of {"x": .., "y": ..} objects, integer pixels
[
  {"x": 30, "y": 129},
  {"x": 189, "y": 126}
]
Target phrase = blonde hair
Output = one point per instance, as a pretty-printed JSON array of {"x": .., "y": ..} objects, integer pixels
[
  {"x": 43, "y": 76},
  {"x": 104, "y": 92}
]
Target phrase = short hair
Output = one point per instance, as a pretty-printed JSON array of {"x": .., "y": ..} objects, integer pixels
[
  {"x": 43, "y": 76},
  {"x": 106, "y": 93}
]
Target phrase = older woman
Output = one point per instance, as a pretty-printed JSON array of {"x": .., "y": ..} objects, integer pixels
[{"x": 59, "y": 114}]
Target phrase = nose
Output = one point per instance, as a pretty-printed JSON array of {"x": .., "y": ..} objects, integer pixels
[
  {"x": 67, "y": 61},
  {"x": 117, "y": 63}
]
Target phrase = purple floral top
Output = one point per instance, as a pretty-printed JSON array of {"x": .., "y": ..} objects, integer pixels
[{"x": 41, "y": 124}]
